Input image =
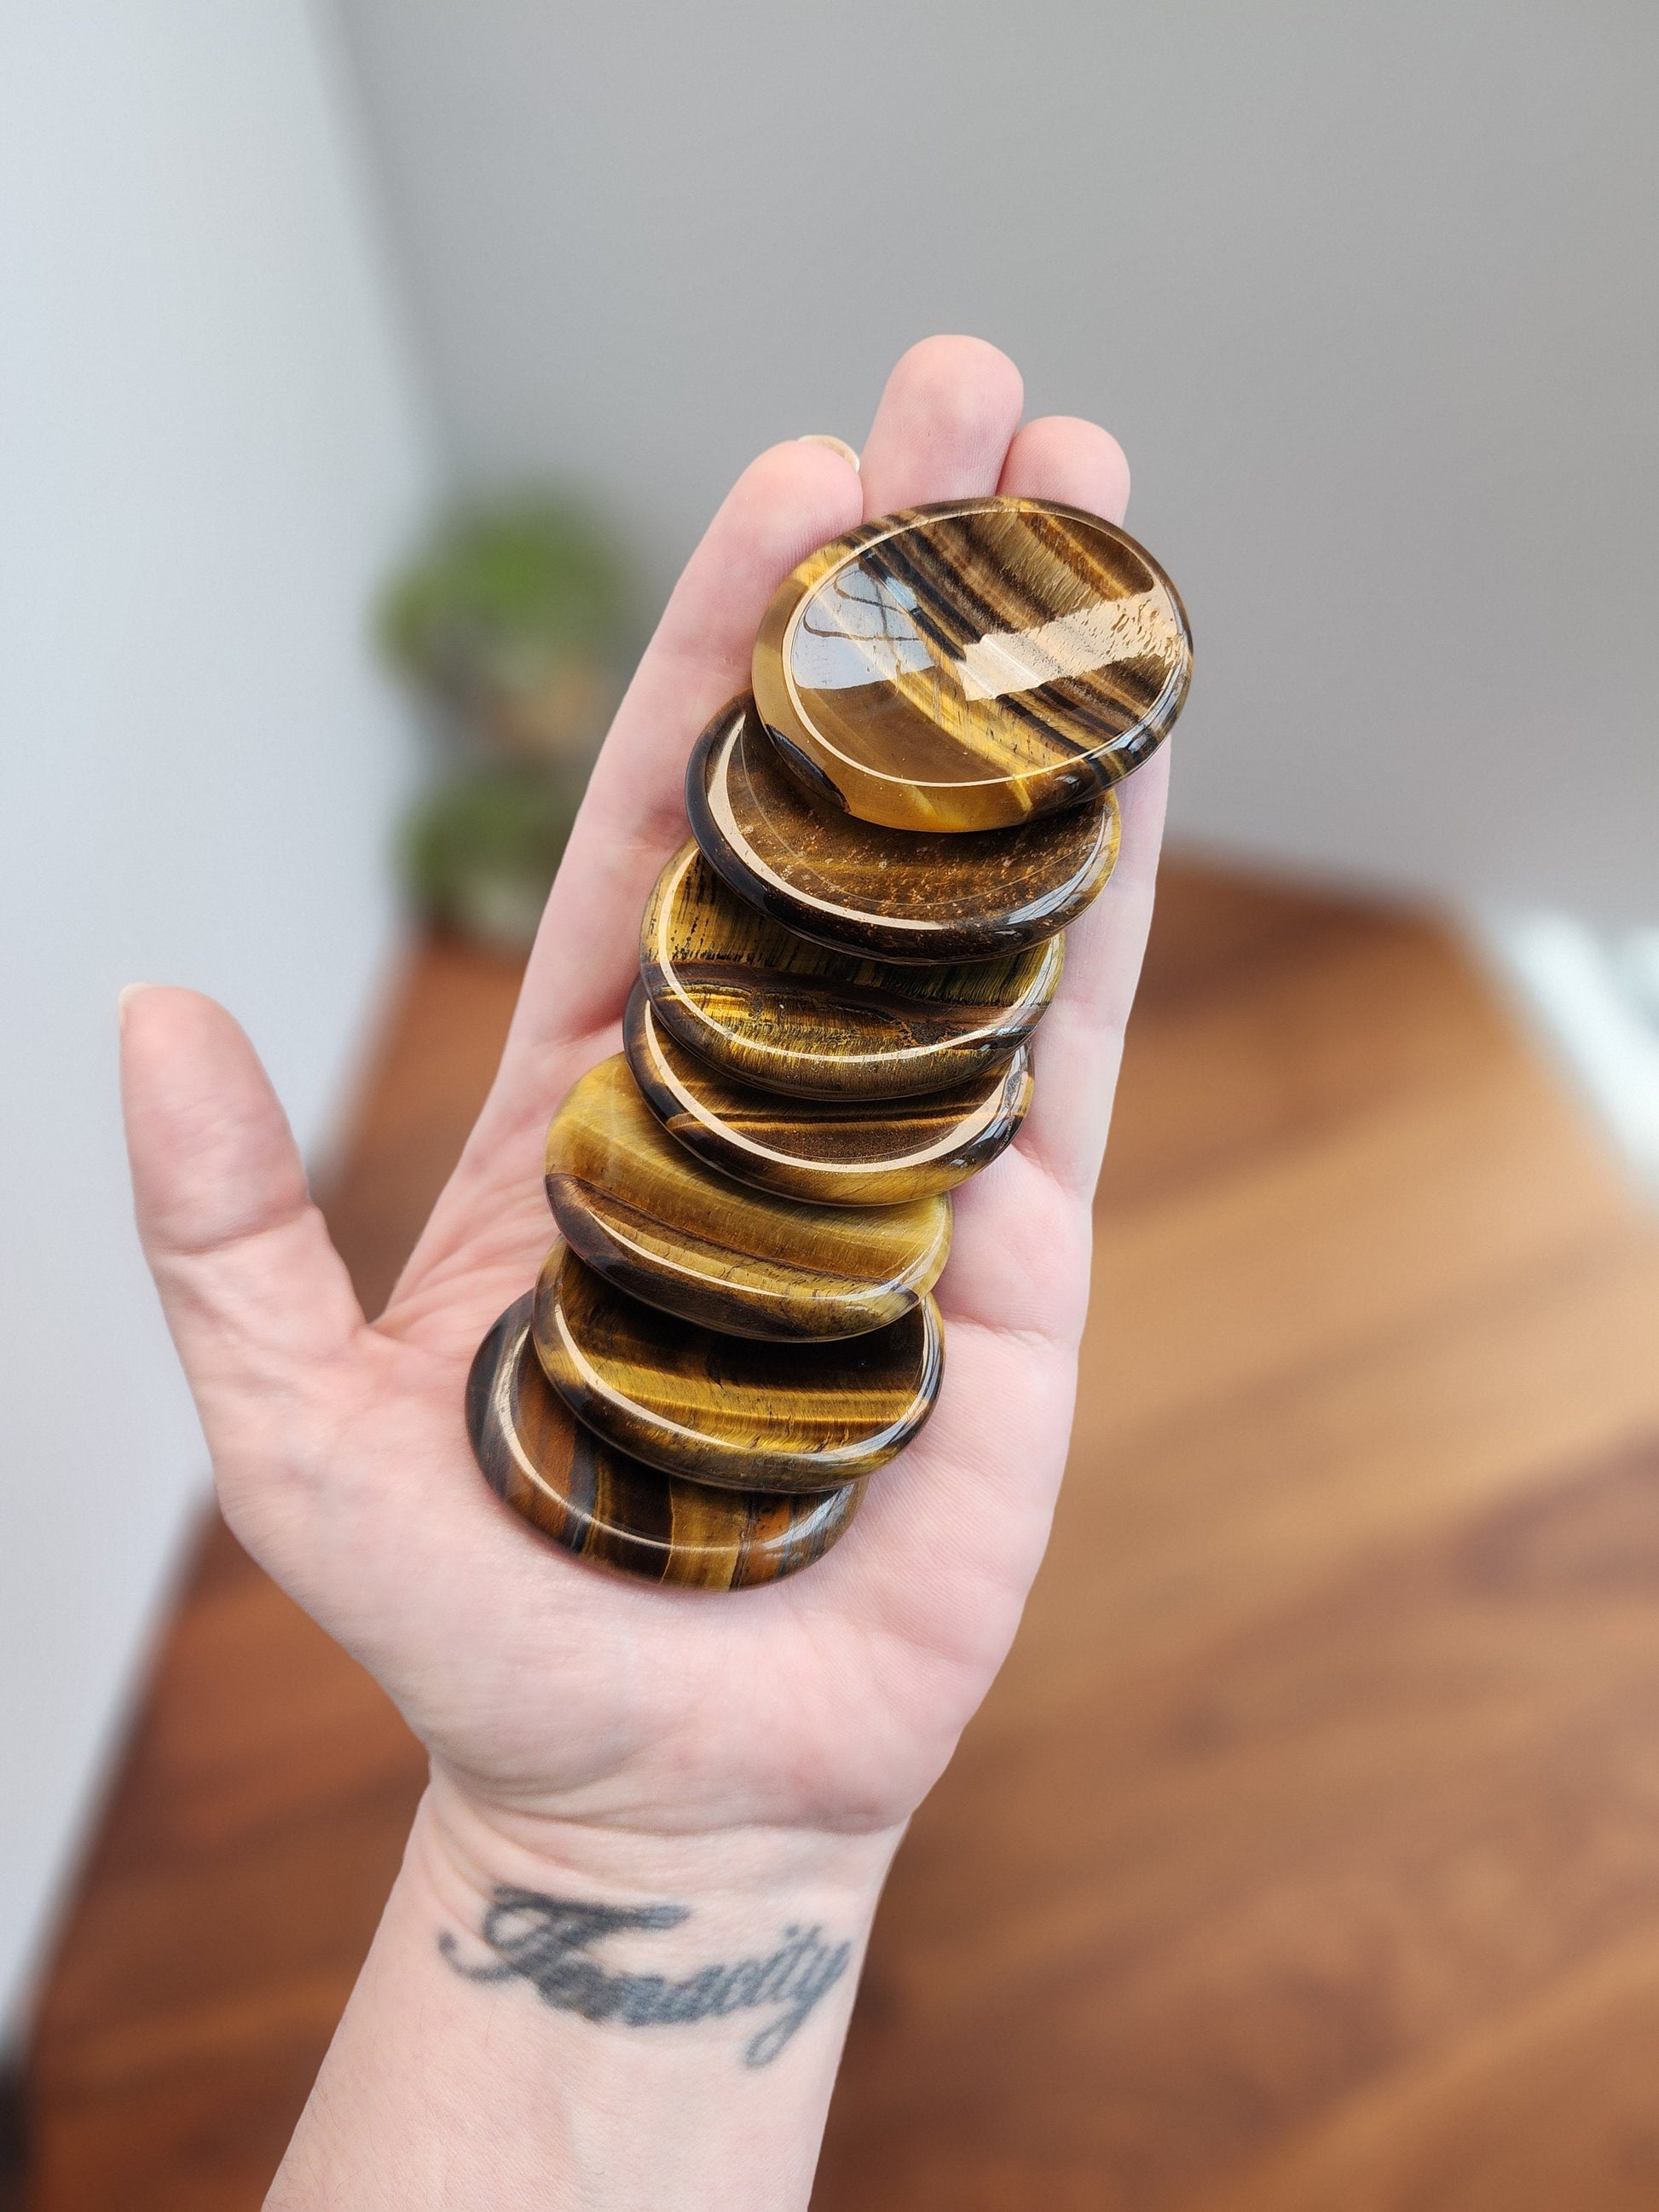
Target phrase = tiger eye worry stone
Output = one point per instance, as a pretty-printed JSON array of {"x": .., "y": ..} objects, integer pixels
[
  {"x": 648, "y": 1215},
  {"x": 729, "y": 1410},
  {"x": 609, "y": 1510},
  {"x": 753, "y": 998},
  {"x": 833, "y": 1151},
  {"x": 898, "y": 893},
  {"x": 970, "y": 664}
]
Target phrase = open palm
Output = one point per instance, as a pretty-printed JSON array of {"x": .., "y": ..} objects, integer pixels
[{"x": 546, "y": 1692}]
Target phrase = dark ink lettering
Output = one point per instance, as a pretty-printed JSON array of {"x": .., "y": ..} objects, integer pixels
[
  {"x": 548, "y": 1941},
  {"x": 811, "y": 1984}
]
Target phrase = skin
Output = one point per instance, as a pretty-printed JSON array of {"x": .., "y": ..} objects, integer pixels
[{"x": 754, "y": 1757}]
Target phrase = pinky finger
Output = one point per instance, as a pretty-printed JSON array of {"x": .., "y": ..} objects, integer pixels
[{"x": 1077, "y": 1047}]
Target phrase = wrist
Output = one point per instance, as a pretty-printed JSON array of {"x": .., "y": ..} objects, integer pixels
[
  {"x": 571, "y": 2014},
  {"x": 465, "y": 1848},
  {"x": 746, "y": 1934}
]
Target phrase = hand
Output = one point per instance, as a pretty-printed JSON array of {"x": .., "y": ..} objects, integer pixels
[{"x": 577, "y": 1720}]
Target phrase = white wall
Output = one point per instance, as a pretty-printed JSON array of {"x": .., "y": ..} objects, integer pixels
[
  {"x": 208, "y": 451},
  {"x": 1367, "y": 292}
]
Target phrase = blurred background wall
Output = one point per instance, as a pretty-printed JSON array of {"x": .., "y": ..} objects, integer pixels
[
  {"x": 1364, "y": 292},
  {"x": 209, "y": 452}
]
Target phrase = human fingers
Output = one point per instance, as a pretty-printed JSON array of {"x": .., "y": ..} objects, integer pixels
[
  {"x": 944, "y": 1549},
  {"x": 942, "y": 427},
  {"x": 1019, "y": 1260},
  {"x": 785, "y": 505},
  {"x": 1076, "y": 1052},
  {"x": 257, "y": 1298}
]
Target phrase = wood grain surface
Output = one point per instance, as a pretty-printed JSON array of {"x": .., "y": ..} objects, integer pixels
[
  {"x": 894, "y": 894},
  {"x": 733, "y": 1411},
  {"x": 751, "y": 997},
  {"x": 652, "y": 1218},
  {"x": 966, "y": 666},
  {"x": 612, "y": 1512},
  {"x": 837, "y": 1152},
  {"x": 1305, "y": 1855}
]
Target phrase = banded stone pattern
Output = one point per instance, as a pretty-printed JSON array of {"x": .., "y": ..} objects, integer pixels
[
  {"x": 836, "y": 1152},
  {"x": 766, "y": 1005},
  {"x": 970, "y": 664},
  {"x": 646, "y": 1215},
  {"x": 735, "y": 1329},
  {"x": 858, "y": 887},
  {"x": 612, "y": 1511},
  {"x": 737, "y": 1412}
]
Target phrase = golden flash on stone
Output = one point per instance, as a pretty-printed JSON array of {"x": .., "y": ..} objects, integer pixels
[{"x": 970, "y": 664}]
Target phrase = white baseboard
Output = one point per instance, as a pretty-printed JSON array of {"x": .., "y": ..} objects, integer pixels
[{"x": 1596, "y": 996}]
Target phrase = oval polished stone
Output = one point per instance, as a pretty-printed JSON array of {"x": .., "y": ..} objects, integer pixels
[
  {"x": 836, "y": 1152},
  {"x": 969, "y": 664},
  {"x": 751, "y": 997},
  {"x": 897, "y": 894},
  {"x": 728, "y": 1410},
  {"x": 610, "y": 1509},
  {"x": 648, "y": 1215}
]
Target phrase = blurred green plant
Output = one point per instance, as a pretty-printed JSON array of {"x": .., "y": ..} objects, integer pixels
[
  {"x": 479, "y": 852},
  {"x": 513, "y": 622}
]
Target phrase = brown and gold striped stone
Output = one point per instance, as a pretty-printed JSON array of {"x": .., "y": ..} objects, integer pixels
[
  {"x": 727, "y": 1410},
  {"x": 646, "y": 1214},
  {"x": 754, "y": 998},
  {"x": 835, "y": 1152},
  {"x": 892, "y": 894},
  {"x": 969, "y": 664},
  {"x": 612, "y": 1512},
  {"x": 837, "y": 979}
]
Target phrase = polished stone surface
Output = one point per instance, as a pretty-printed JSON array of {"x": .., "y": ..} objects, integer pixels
[
  {"x": 751, "y": 997},
  {"x": 896, "y": 894},
  {"x": 729, "y": 1410},
  {"x": 835, "y": 1152},
  {"x": 967, "y": 666},
  {"x": 646, "y": 1214},
  {"x": 614, "y": 1512}
]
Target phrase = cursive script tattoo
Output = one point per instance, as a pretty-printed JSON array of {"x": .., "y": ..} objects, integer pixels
[{"x": 548, "y": 1941}]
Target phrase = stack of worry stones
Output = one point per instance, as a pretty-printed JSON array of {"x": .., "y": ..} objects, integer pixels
[{"x": 840, "y": 974}]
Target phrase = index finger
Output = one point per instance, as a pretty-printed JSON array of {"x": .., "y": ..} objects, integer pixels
[{"x": 784, "y": 505}]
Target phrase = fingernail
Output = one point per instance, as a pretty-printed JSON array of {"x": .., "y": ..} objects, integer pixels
[
  {"x": 836, "y": 445},
  {"x": 129, "y": 994}
]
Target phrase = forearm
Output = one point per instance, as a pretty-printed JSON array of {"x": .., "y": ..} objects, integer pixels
[{"x": 621, "y": 2022}]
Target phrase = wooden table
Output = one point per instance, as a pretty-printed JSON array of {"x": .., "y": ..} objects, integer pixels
[{"x": 1307, "y": 1852}]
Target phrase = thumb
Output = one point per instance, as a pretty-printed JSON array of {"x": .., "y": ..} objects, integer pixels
[{"x": 255, "y": 1295}]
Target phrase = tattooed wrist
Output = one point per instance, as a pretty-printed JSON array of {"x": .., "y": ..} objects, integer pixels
[{"x": 555, "y": 1945}]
